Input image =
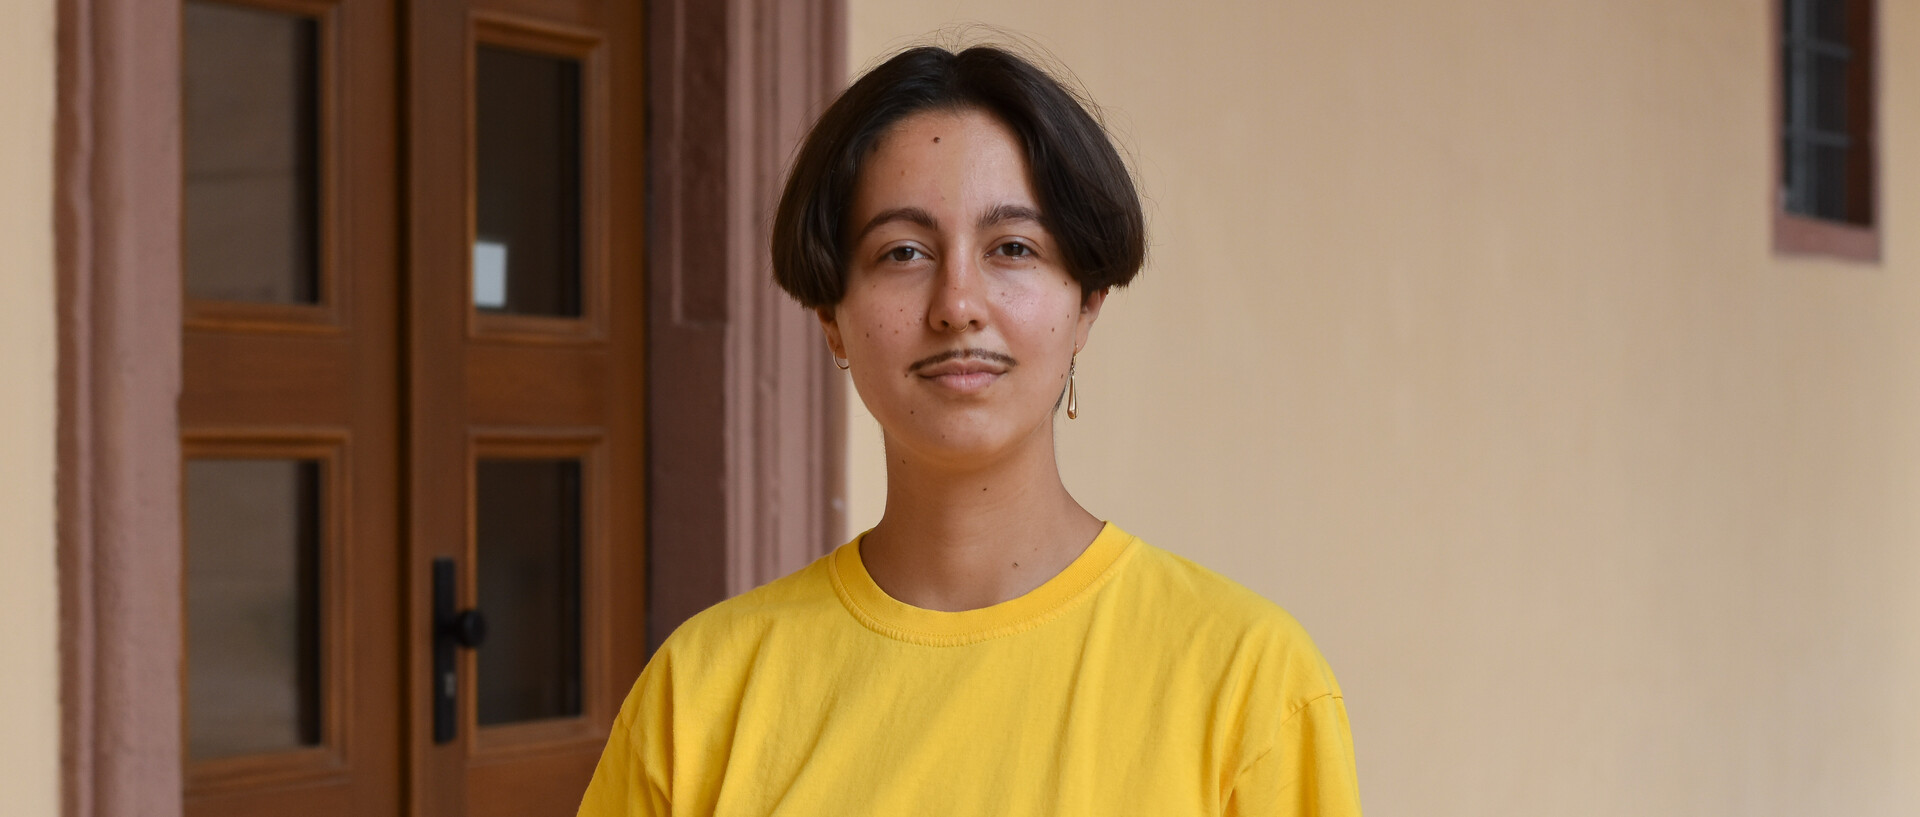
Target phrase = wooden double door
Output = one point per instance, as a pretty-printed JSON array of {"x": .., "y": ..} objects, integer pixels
[{"x": 412, "y": 402}]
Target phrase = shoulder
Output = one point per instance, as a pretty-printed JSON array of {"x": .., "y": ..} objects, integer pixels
[
  {"x": 696, "y": 676},
  {"x": 1179, "y": 587},
  {"x": 1280, "y": 712},
  {"x": 1227, "y": 624},
  {"x": 704, "y": 663},
  {"x": 797, "y": 600}
]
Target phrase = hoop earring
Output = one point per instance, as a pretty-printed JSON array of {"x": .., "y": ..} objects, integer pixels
[
  {"x": 841, "y": 363},
  {"x": 1073, "y": 399}
]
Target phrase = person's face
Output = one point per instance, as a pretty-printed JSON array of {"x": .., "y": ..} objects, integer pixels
[{"x": 959, "y": 318}]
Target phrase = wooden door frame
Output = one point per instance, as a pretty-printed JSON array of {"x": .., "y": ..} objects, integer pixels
[{"x": 748, "y": 451}]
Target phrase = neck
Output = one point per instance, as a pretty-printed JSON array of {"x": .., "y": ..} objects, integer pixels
[{"x": 962, "y": 537}]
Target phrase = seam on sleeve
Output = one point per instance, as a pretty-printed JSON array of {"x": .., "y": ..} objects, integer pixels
[{"x": 1284, "y": 722}]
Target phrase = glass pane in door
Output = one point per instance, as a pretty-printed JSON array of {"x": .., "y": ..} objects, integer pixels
[
  {"x": 251, "y": 117},
  {"x": 253, "y": 605},
  {"x": 526, "y": 252},
  {"x": 527, "y": 541}
]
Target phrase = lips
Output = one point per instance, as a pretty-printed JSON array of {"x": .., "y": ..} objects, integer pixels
[
  {"x": 964, "y": 375},
  {"x": 962, "y": 367}
]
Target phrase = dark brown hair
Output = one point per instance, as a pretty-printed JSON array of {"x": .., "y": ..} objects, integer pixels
[{"x": 1086, "y": 198}]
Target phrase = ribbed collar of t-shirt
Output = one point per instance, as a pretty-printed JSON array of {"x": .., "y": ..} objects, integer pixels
[{"x": 893, "y": 618}]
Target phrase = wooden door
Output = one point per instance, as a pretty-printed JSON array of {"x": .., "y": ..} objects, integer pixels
[
  {"x": 289, "y": 409},
  {"x": 413, "y": 389},
  {"x": 525, "y": 390}
]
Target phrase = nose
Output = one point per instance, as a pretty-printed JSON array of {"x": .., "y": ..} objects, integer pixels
[{"x": 959, "y": 299}]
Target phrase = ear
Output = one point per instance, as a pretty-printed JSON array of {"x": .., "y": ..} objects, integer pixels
[
  {"x": 830, "y": 326},
  {"x": 1089, "y": 312}
]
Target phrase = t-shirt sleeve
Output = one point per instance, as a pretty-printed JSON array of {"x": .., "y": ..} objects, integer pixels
[
  {"x": 631, "y": 778},
  {"x": 1309, "y": 771}
]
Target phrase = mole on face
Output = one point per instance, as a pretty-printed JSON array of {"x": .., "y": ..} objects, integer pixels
[{"x": 936, "y": 140}]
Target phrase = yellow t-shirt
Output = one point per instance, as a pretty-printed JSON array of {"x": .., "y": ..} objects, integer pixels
[{"x": 1133, "y": 683}]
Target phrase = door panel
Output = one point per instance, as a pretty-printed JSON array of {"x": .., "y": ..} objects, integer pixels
[
  {"x": 289, "y": 409},
  {"x": 525, "y": 418},
  {"x": 528, "y": 537},
  {"x": 527, "y": 180},
  {"x": 256, "y": 557},
  {"x": 253, "y": 78}
]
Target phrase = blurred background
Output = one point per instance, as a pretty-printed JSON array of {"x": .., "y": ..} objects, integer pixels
[{"x": 1557, "y": 365}]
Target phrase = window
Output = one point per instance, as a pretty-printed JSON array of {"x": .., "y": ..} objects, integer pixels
[{"x": 1827, "y": 192}]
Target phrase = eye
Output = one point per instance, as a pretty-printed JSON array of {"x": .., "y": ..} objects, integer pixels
[
  {"x": 903, "y": 254},
  {"x": 1015, "y": 249}
]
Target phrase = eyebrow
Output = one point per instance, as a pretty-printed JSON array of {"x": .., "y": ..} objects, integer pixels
[
  {"x": 910, "y": 214},
  {"x": 999, "y": 214},
  {"x": 1009, "y": 212}
]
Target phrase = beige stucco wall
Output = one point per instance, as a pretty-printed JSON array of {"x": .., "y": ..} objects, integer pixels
[
  {"x": 1463, "y": 339},
  {"x": 30, "y": 682}
]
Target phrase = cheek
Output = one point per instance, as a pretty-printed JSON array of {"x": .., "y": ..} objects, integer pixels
[
  {"x": 1043, "y": 317},
  {"x": 878, "y": 328}
]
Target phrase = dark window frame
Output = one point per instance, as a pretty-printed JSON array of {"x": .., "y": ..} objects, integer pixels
[{"x": 1797, "y": 234}]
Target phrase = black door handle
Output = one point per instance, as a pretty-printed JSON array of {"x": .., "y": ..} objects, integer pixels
[
  {"x": 468, "y": 629},
  {"x": 452, "y": 629}
]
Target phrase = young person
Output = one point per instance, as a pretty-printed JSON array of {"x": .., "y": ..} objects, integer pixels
[{"x": 990, "y": 647}]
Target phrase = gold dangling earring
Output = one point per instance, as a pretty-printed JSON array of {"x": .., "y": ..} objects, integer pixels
[{"x": 1073, "y": 400}]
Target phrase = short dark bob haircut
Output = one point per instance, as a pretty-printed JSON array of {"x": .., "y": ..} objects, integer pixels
[{"x": 1086, "y": 198}]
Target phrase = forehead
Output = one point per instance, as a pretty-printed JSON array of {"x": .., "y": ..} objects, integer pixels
[{"x": 943, "y": 160}]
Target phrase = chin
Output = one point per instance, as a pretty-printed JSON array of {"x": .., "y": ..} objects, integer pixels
[{"x": 960, "y": 443}]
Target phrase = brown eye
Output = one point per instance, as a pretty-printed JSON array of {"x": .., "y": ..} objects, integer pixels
[
  {"x": 902, "y": 255},
  {"x": 1015, "y": 249}
]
